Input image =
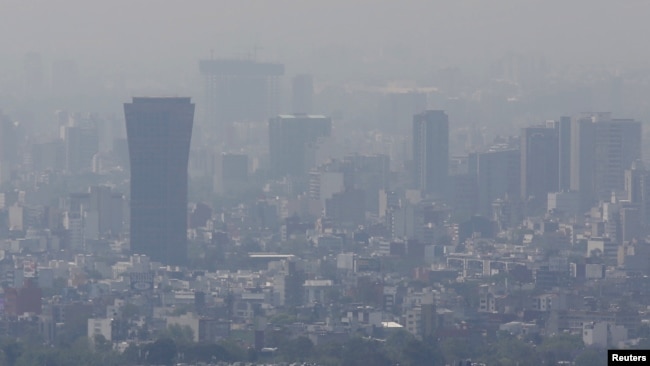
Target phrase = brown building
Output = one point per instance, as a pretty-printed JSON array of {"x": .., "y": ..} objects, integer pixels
[{"x": 27, "y": 299}]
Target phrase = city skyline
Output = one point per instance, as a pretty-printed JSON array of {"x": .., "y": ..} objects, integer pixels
[{"x": 324, "y": 183}]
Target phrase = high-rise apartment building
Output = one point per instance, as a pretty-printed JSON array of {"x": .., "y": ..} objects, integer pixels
[
  {"x": 289, "y": 136},
  {"x": 602, "y": 148},
  {"x": 431, "y": 152},
  {"x": 539, "y": 164},
  {"x": 159, "y": 131}
]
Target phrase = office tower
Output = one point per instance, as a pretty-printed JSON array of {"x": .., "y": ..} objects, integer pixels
[
  {"x": 430, "y": 218},
  {"x": 539, "y": 164},
  {"x": 324, "y": 183},
  {"x": 583, "y": 160},
  {"x": 431, "y": 152},
  {"x": 564, "y": 153},
  {"x": 637, "y": 187},
  {"x": 635, "y": 182},
  {"x": 289, "y": 136},
  {"x": 601, "y": 149},
  {"x": 497, "y": 175},
  {"x": 302, "y": 89},
  {"x": 101, "y": 208},
  {"x": 159, "y": 131},
  {"x": 631, "y": 224},
  {"x": 81, "y": 143},
  {"x": 238, "y": 91},
  {"x": 463, "y": 191},
  {"x": 463, "y": 194},
  {"x": 369, "y": 173}
]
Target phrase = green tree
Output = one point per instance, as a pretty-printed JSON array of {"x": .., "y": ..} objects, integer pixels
[
  {"x": 161, "y": 352},
  {"x": 299, "y": 349},
  {"x": 419, "y": 353},
  {"x": 510, "y": 351},
  {"x": 102, "y": 345},
  {"x": 180, "y": 334},
  {"x": 591, "y": 357},
  {"x": 234, "y": 351},
  {"x": 561, "y": 347},
  {"x": 204, "y": 352},
  {"x": 132, "y": 354},
  {"x": 362, "y": 352},
  {"x": 328, "y": 354},
  {"x": 396, "y": 343},
  {"x": 456, "y": 349},
  {"x": 12, "y": 351}
]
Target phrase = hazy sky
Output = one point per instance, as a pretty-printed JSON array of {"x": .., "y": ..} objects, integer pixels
[{"x": 120, "y": 36}]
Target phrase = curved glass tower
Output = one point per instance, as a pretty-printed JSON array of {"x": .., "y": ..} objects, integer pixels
[{"x": 159, "y": 131}]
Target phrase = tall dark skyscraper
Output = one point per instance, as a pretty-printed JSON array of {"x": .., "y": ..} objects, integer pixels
[
  {"x": 539, "y": 164},
  {"x": 431, "y": 152},
  {"x": 159, "y": 131}
]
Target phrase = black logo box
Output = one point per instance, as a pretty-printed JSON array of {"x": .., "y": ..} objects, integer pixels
[{"x": 628, "y": 357}]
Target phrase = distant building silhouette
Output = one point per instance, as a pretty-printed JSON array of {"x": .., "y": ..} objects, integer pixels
[
  {"x": 602, "y": 148},
  {"x": 33, "y": 75},
  {"x": 539, "y": 164},
  {"x": 81, "y": 142},
  {"x": 302, "y": 89},
  {"x": 564, "y": 153},
  {"x": 159, "y": 131},
  {"x": 498, "y": 175},
  {"x": 637, "y": 186},
  {"x": 289, "y": 136},
  {"x": 102, "y": 210},
  {"x": 398, "y": 107},
  {"x": 239, "y": 90},
  {"x": 65, "y": 77},
  {"x": 431, "y": 152}
]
